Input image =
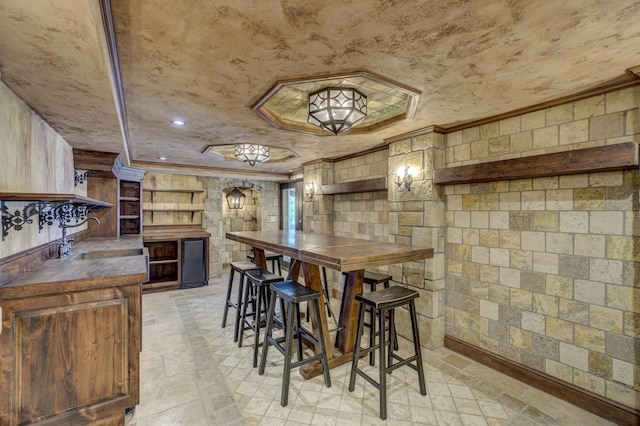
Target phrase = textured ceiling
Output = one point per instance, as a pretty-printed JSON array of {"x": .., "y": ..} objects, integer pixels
[{"x": 209, "y": 62}]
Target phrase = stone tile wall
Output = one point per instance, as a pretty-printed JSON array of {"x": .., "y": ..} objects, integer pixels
[
  {"x": 546, "y": 271},
  {"x": 417, "y": 218},
  {"x": 413, "y": 217},
  {"x": 359, "y": 215},
  {"x": 213, "y": 223},
  {"x": 260, "y": 212},
  {"x": 366, "y": 214}
]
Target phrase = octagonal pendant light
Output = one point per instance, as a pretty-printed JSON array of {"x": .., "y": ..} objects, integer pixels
[
  {"x": 337, "y": 109},
  {"x": 252, "y": 154},
  {"x": 235, "y": 199}
]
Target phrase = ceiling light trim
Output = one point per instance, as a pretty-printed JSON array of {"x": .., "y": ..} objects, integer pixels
[{"x": 364, "y": 81}]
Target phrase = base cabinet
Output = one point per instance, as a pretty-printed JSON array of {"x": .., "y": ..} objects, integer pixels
[
  {"x": 164, "y": 265},
  {"x": 70, "y": 358},
  {"x": 177, "y": 261}
]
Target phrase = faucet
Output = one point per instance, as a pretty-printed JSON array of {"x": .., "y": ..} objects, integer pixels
[{"x": 64, "y": 249}]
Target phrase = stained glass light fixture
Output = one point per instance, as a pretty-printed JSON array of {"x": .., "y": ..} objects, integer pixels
[
  {"x": 235, "y": 199},
  {"x": 252, "y": 154},
  {"x": 337, "y": 109}
]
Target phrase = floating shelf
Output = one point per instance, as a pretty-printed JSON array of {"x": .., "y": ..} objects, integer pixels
[
  {"x": 621, "y": 156},
  {"x": 366, "y": 185},
  {"x": 52, "y": 198},
  {"x": 63, "y": 208},
  {"x": 193, "y": 192},
  {"x": 193, "y": 212},
  {"x": 187, "y": 191},
  {"x": 175, "y": 210}
]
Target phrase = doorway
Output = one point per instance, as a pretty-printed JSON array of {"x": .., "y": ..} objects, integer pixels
[{"x": 291, "y": 206}]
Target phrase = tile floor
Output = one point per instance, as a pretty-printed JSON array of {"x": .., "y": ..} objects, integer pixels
[{"x": 193, "y": 374}]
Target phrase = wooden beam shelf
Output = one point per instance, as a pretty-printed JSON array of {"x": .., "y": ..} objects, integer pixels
[
  {"x": 366, "y": 185},
  {"x": 621, "y": 156},
  {"x": 187, "y": 191}
]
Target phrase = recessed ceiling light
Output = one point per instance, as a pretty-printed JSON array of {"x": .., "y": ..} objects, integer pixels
[
  {"x": 178, "y": 122},
  {"x": 162, "y": 158}
]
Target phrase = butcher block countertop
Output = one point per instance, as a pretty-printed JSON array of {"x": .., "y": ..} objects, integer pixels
[{"x": 93, "y": 263}]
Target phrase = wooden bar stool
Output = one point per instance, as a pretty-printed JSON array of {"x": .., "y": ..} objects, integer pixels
[
  {"x": 373, "y": 279},
  {"x": 241, "y": 268},
  {"x": 385, "y": 301},
  {"x": 274, "y": 258},
  {"x": 293, "y": 293},
  {"x": 256, "y": 293}
]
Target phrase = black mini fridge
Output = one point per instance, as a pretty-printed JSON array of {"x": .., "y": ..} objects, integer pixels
[{"x": 194, "y": 268}]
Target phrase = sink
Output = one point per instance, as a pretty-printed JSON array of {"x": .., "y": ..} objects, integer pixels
[{"x": 105, "y": 254}]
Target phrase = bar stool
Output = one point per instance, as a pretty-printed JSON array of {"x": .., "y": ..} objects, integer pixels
[
  {"x": 385, "y": 301},
  {"x": 293, "y": 293},
  {"x": 373, "y": 279},
  {"x": 241, "y": 268},
  {"x": 256, "y": 293},
  {"x": 274, "y": 258}
]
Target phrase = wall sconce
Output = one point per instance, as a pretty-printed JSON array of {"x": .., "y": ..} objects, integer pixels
[
  {"x": 404, "y": 179},
  {"x": 235, "y": 199},
  {"x": 309, "y": 190}
]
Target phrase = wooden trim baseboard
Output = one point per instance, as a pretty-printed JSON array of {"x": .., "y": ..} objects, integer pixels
[{"x": 589, "y": 401}]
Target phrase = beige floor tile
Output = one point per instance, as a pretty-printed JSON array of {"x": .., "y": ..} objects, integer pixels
[{"x": 192, "y": 373}]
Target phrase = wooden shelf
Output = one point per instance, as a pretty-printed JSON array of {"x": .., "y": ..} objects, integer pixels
[
  {"x": 48, "y": 207},
  {"x": 193, "y": 192},
  {"x": 367, "y": 185},
  {"x": 184, "y": 191},
  {"x": 161, "y": 262},
  {"x": 53, "y": 198},
  {"x": 175, "y": 210},
  {"x": 129, "y": 196},
  {"x": 175, "y": 202},
  {"x": 620, "y": 156}
]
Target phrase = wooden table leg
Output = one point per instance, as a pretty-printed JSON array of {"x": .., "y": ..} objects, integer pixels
[
  {"x": 349, "y": 312},
  {"x": 312, "y": 280},
  {"x": 294, "y": 270},
  {"x": 346, "y": 336},
  {"x": 259, "y": 257}
]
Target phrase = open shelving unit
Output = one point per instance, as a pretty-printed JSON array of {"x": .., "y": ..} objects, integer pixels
[
  {"x": 130, "y": 207},
  {"x": 170, "y": 204},
  {"x": 172, "y": 210}
]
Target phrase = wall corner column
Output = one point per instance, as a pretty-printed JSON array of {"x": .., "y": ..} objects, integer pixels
[
  {"x": 318, "y": 211},
  {"x": 417, "y": 218}
]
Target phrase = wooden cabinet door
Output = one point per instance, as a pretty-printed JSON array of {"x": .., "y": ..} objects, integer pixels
[{"x": 72, "y": 357}]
